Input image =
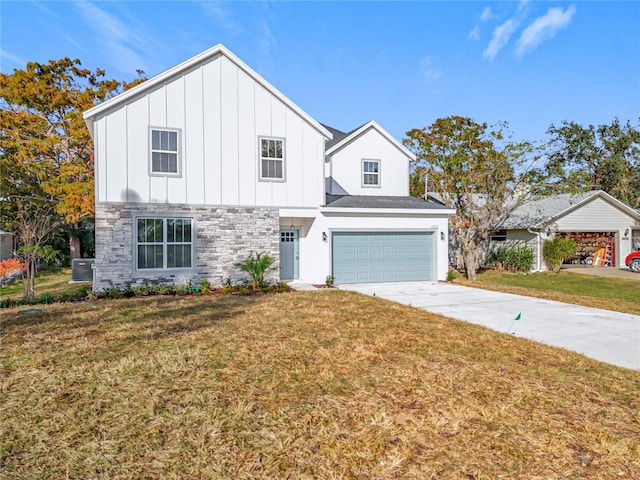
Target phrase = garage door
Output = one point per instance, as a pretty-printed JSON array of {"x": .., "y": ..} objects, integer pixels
[{"x": 382, "y": 256}]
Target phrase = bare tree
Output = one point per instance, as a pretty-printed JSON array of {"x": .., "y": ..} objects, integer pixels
[{"x": 36, "y": 222}]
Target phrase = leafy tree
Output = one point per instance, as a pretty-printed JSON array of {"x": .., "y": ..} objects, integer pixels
[
  {"x": 257, "y": 265},
  {"x": 45, "y": 147},
  {"x": 606, "y": 157},
  {"x": 476, "y": 170},
  {"x": 557, "y": 251}
]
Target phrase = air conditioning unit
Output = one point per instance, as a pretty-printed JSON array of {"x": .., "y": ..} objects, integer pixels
[{"x": 82, "y": 269}]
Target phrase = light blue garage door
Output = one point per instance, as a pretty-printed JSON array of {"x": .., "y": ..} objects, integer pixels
[{"x": 360, "y": 257}]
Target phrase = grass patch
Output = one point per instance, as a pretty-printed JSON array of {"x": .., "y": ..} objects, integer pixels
[
  {"x": 51, "y": 281},
  {"x": 303, "y": 385},
  {"x": 617, "y": 294}
]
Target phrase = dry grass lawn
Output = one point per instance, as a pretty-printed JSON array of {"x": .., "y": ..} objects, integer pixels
[
  {"x": 325, "y": 384},
  {"x": 617, "y": 294}
]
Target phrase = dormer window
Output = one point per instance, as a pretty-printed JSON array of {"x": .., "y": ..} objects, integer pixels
[{"x": 370, "y": 173}]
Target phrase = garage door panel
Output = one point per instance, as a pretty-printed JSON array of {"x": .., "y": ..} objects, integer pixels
[{"x": 381, "y": 256}]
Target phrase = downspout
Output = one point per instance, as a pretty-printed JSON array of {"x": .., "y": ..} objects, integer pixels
[{"x": 538, "y": 252}]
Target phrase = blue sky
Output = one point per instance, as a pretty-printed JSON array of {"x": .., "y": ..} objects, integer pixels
[{"x": 403, "y": 64}]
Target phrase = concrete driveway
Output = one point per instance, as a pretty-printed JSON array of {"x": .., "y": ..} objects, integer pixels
[{"x": 611, "y": 337}]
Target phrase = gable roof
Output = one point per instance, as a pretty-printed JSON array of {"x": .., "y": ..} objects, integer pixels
[
  {"x": 174, "y": 72},
  {"x": 546, "y": 210},
  {"x": 354, "y": 134}
]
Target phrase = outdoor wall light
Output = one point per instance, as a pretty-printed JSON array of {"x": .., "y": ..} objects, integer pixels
[
  {"x": 441, "y": 235},
  {"x": 626, "y": 232},
  {"x": 324, "y": 236}
]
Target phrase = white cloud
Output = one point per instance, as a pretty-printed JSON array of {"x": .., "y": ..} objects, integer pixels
[
  {"x": 119, "y": 40},
  {"x": 486, "y": 14},
  {"x": 501, "y": 35},
  {"x": 544, "y": 28},
  {"x": 429, "y": 72},
  {"x": 16, "y": 60},
  {"x": 221, "y": 16},
  {"x": 474, "y": 34}
]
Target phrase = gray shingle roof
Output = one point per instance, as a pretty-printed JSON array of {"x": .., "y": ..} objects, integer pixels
[
  {"x": 540, "y": 211},
  {"x": 337, "y": 136},
  {"x": 368, "y": 201}
]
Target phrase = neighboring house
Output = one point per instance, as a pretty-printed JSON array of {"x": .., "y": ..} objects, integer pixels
[
  {"x": 605, "y": 229},
  {"x": 6, "y": 245},
  {"x": 207, "y": 162}
]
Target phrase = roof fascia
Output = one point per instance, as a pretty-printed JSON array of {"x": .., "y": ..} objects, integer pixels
[
  {"x": 387, "y": 211},
  {"x": 172, "y": 72},
  {"x": 363, "y": 129}
]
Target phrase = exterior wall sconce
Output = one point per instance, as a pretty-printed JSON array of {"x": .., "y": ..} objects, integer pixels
[
  {"x": 441, "y": 235},
  {"x": 324, "y": 236},
  {"x": 626, "y": 232}
]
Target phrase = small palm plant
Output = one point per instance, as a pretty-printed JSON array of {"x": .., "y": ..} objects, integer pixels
[{"x": 257, "y": 265}]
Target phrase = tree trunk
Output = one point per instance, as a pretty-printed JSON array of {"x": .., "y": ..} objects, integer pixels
[
  {"x": 470, "y": 264},
  {"x": 29, "y": 282},
  {"x": 74, "y": 244}
]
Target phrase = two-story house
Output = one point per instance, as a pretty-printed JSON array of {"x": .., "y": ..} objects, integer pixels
[{"x": 207, "y": 162}]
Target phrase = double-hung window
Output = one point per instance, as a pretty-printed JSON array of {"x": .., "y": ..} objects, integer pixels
[
  {"x": 370, "y": 173},
  {"x": 165, "y": 158},
  {"x": 164, "y": 243},
  {"x": 271, "y": 159}
]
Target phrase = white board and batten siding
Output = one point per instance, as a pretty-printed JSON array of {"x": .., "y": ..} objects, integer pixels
[
  {"x": 346, "y": 167},
  {"x": 220, "y": 112}
]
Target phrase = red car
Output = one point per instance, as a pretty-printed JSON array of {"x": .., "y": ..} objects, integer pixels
[{"x": 633, "y": 261}]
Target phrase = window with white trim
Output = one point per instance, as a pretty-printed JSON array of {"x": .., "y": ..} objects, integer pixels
[
  {"x": 164, "y": 151},
  {"x": 164, "y": 243},
  {"x": 271, "y": 159},
  {"x": 370, "y": 173}
]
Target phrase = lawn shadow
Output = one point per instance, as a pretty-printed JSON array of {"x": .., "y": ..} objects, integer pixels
[{"x": 139, "y": 319}]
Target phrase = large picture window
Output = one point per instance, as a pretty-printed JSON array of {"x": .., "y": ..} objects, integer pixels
[
  {"x": 271, "y": 159},
  {"x": 164, "y": 151},
  {"x": 371, "y": 173},
  {"x": 164, "y": 243}
]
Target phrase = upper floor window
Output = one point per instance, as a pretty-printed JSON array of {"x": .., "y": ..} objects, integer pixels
[
  {"x": 164, "y": 151},
  {"x": 164, "y": 243},
  {"x": 271, "y": 159},
  {"x": 371, "y": 173}
]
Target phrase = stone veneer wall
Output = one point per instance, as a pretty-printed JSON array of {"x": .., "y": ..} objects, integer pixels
[{"x": 223, "y": 236}]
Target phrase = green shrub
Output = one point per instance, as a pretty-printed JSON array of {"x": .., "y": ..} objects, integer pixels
[
  {"x": 257, "y": 265},
  {"x": 329, "y": 281},
  {"x": 205, "y": 286},
  {"x": 282, "y": 287},
  {"x": 243, "y": 290},
  {"x": 514, "y": 259},
  {"x": 557, "y": 251},
  {"x": 451, "y": 275}
]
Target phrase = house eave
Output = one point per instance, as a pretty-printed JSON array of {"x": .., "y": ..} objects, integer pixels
[
  {"x": 387, "y": 211},
  {"x": 360, "y": 131}
]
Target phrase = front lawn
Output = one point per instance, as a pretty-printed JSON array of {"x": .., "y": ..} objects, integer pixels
[
  {"x": 51, "y": 281},
  {"x": 324, "y": 384},
  {"x": 616, "y": 294}
]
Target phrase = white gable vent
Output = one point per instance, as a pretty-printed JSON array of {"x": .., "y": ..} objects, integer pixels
[{"x": 82, "y": 269}]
